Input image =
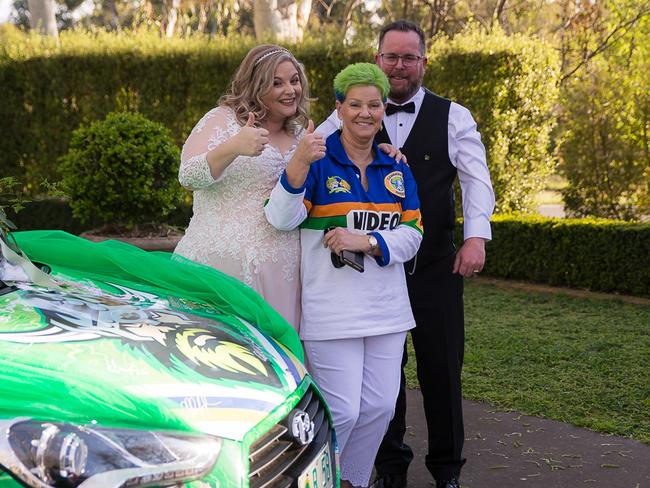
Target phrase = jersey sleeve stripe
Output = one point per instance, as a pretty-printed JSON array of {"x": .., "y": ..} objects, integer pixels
[{"x": 335, "y": 209}]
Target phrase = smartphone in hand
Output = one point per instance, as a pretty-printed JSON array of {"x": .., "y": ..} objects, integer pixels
[{"x": 353, "y": 259}]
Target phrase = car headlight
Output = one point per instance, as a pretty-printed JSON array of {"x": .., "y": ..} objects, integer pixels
[{"x": 62, "y": 455}]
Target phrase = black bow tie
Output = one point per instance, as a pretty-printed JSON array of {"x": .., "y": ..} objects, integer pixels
[{"x": 391, "y": 108}]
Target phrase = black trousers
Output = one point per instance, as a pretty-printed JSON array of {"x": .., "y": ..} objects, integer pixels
[{"x": 436, "y": 296}]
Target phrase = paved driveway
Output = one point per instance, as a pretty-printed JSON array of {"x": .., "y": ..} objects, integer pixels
[{"x": 508, "y": 450}]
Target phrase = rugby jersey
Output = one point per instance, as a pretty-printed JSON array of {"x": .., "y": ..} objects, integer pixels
[{"x": 343, "y": 303}]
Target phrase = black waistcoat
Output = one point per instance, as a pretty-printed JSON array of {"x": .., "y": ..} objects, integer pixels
[{"x": 428, "y": 157}]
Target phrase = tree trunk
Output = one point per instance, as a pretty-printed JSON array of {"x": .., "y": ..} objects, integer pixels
[
  {"x": 347, "y": 16},
  {"x": 498, "y": 13},
  {"x": 109, "y": 10},
  {"x": 171, "y": 11},
  {"x": 42, "y": 17},
  {"x": 284, "y": 20},
  {"x": 203, "y": 17}
]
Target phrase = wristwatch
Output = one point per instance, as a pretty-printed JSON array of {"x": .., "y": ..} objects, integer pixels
[{"x": 372, "y": 240}]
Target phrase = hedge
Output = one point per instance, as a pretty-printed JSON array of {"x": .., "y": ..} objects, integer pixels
[
  {"x": 599, "y": 255},
  {"x": 48, "y": 90},
  {"x": 508, "y": 82},
  {"x": 57, "y": 214}
]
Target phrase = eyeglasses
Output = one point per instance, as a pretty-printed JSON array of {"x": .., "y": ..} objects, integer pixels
[{"x": 408, "y": 60}]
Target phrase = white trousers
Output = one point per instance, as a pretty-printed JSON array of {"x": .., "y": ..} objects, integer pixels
[{"x": 360, "y": 381}]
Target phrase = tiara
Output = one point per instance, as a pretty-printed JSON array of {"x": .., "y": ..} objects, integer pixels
[{"x": 275, "y": 51}]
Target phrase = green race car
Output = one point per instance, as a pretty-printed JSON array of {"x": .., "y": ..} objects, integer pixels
[{"x": 122, "y": 368}]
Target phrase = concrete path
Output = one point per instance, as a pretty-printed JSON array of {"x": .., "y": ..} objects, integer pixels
[
  {"x": 551, "y": 210},
  {"x": 509, "y": 450}
]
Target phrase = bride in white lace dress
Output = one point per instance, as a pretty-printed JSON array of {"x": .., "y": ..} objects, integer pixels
[{"x": 231, "y": 161}]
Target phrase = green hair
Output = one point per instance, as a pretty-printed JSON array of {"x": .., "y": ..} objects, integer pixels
[{"x": 360, "y": 74}]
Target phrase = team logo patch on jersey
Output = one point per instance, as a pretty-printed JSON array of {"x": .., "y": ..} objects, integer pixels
[
  {"x": 336, "y": 184},
  {"x": 395, "y": 183}
]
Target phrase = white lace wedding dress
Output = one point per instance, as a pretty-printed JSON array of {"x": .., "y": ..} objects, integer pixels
[{"x": 228, "y": 230}]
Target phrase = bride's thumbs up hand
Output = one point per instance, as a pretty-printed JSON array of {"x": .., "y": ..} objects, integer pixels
[
  {"x": 311, "y": 147},
  {"x": 251, "y": 140}
]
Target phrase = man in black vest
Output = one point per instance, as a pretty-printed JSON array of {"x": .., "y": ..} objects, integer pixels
[{"x": 440, "y": 140}]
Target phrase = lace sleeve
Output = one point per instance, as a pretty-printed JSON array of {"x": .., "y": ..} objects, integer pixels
[{"x": 213, "y": 129}]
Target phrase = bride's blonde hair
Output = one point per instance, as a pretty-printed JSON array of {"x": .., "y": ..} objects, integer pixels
[{"x": 254, "y": 79}]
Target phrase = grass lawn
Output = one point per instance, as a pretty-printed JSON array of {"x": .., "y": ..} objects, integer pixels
[{"x": 581, "y": 360}]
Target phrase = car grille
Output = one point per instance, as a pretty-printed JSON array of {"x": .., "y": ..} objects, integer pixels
[{"x": 277, "y": 459}]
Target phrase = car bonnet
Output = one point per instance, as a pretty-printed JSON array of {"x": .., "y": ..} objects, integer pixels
[{"x": 110, "y": 354}]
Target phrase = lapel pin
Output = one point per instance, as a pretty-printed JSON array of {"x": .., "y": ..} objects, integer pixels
[{"x": 427, "y": 157}]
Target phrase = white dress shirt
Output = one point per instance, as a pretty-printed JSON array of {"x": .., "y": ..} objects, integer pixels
[{"x": 466, "y": 153}]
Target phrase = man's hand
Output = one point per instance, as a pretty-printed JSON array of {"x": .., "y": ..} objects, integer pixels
[
  {"x": 393, "y": 152},
  {"x": 470, "y": 258}
]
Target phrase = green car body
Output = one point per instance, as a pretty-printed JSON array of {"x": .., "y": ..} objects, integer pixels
[{"x": 104, "y": 384}]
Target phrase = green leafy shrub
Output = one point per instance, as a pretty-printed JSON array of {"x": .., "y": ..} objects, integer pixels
[
  {"x": 122, "y": 170},
  {"x": 605, "y": 154},
  {"x": 597, "y": 254},
  {"x": 11, "y": 199},
  {"x": 510, "y": 84}
]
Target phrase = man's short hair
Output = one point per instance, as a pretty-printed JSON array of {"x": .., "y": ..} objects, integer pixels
[{"x": 403, "y": 26}]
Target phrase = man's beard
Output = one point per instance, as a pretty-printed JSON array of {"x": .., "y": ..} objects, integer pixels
[{"x": 405, "y": 93}]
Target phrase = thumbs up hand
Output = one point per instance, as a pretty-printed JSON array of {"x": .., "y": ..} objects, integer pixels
[
  {"x": 311, "y": 147},
  {"x": 251, "y": 140}
]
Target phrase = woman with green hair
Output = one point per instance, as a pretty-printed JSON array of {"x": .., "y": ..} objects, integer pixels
[{"x": 359, "y": 220}]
